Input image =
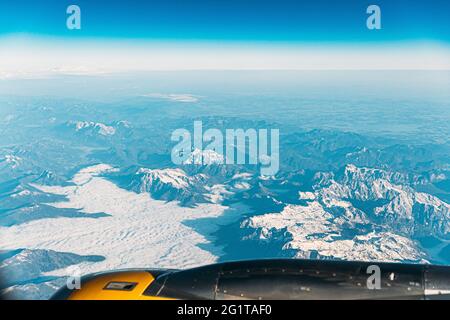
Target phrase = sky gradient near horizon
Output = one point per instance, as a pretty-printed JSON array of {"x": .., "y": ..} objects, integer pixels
[{"x": 219, "y": 34}]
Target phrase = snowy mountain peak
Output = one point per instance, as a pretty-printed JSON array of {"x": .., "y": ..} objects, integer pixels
[
  {"x": 205, "y": 157},
  {"x": 12, "y": 160},
  {"x": 171, "y": 184},
  {"x": 97, "y": 127},
  {"x": 176, "y": 178}
]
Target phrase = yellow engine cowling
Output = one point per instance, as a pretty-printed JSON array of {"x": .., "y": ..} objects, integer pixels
[{"x": 122, "y": 285}]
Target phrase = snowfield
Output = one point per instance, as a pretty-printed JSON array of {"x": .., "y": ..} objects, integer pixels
[
  {"x": 308, "y": 229},
  {"x": 138, "y": 231}
]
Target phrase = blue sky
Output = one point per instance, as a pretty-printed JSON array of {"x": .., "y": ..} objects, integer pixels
[
  {"x": 222, "y": 34},
  {"x": 259, "y": 20}
]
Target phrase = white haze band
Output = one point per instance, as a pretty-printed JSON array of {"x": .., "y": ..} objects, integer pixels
[{"x": 229, "y": 150}]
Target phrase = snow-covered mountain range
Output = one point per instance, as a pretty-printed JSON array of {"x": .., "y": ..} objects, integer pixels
[{"x": 356, "y": 214}]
